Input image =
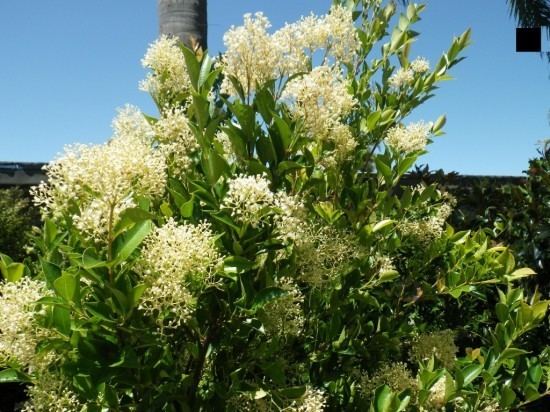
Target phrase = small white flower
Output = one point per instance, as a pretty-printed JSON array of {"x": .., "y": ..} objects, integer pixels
[
  {"x": 401, "y": 78},
  {"x": 168, "y": 69},
  {"x": 102, "y": 180},
  {"x": 409, "y": 139},
  {"x": 175, "y": 260},
  {"x": 420, "y": 65},
  {"x": 248, "y": 197}
]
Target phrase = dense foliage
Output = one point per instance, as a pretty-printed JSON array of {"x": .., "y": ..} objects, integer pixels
[
  {"x": 17, "y": 216},
  {"x": 251, "y": 249}
]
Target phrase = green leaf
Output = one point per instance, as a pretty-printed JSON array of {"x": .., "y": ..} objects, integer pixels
[
  {"x": 471, "y": 372},
  {"x": 66, "y": 286},
  {"x": 267, "y": 295},
  {"x": 382, "y": 224},
  {"x": 213, "y": 165},
  {"x": 5, "y": 260},
  {"x": 13, "y": 375},
  {"x": 193, "y": 67},
  {"x": 521, "y": 273},
  {"x": 388, "y": 276},
  {"x": 166, "y": 210},
  {"x": 51, "y": 271},
  {"x": 237, "y": 264},
  {"x": 126, "y": 243},
  {"x": 206, "y": 66},
  {"x": 288, "y": 165},
  {"x": 372, "y": 120},
  {"x": 439, "y": 123},
  {"x": 383, "y": 169},
  {"x": 62, "y": 319},
  {"x": 382, "y": 399},
  {"x": 265, "y": 103},
  {"x": 502, "y": 312},
  {"x": 510, "y": 353},
  {"x": 226, "y": 220},
  {"x": 50, "y": 231},
  {"x": 123, "y": 301},
  {"x": 128, "y": 359},
  {"x": 186, "y": 209},
  {"x": 508, "y": 397},
  {"x": 535, "y": 374},
  {"x": 266, "y": 150},
  {"x": 404, "y": 165},
  {"x": 293, "y": 392},
  {"x": 137, "y": 291},
  {"x": 284, "y": 131},
  {"x": 136, "y": 214},
  {"x": 14, "y": 272},
  {"x": 84, "y": 384},
  {"x": 90, "y": 261}
]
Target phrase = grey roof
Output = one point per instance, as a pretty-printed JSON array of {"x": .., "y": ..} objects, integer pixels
[
  {"x": 21, "y": 173},
  {"x": 29, "y": 174}
]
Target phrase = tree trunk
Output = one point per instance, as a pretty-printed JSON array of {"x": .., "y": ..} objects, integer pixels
[{"x": 186, "y": 19}]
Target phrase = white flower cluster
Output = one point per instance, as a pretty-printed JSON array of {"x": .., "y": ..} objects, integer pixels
[
  {"x": 436, "y": 399},
  {"x": 175, "y": 260},
  {"x": 440, "y": 344},
  {"x": 19, "y": 331},
  {"x": 169, "y": 72},
  {"x": 409, "y": 139},
  {"x": 103, "y": 180},
  {"x": 324, "y": 252},
  {"x": 130, "y": 123},
  {"x": 404, "y": 77},
  {"x": 385, "y": 264},
  {"x": 176, "y": 139},
  {"x": 223, "y": 140},
  {"x": 320, "y": 98},
  {"x": 249, "y": 198},
  {"x": 429, "y": 228},
  {"x": 49, "y": 393},
  {"x": 420, "y": 65},
  {"x": 396, "y": 375},
  {"x": 250, "y": 56},
  {"x": 254, "y": 56},
  {"x": 284, "y": 315},
  {"x": 401, "y": 78},
  {"x": 312, "y": 401},
  {"x": 422, "y": 230},
  {"x": 291, "y": 217}
]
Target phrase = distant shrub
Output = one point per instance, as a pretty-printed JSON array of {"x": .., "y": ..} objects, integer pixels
[{"x": 16, "y": 219}]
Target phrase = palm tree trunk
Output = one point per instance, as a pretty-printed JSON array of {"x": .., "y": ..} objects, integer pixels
[{"x": 186, "y": 19}]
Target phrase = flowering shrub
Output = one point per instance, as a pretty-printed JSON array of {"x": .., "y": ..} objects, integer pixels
[{"x": 249, "y": 249}]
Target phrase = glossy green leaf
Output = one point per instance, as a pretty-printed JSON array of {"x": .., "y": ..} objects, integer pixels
[
  {"x": 66, "y": 286},
  {"x": 237, "y": 264},
  {"x": 382, "y": 399},
  {"x": 471, "y": 372},
  {"x": 382, "y": 224},
  {"x": 186, "y": 209},
  {"x": 14, "y": 272},
  {"x": 62, "y": 319},
  {"x": 137, "y": 291},
  {"x": 267, "y": 295},
  {"x": 13, "y": 375},
  {"x": 126, "y": 243}
]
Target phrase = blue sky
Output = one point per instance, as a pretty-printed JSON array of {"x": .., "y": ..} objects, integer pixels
[{"x": 67, "y": 65}]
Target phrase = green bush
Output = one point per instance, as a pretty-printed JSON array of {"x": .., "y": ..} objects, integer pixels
[
  {"x": 239, "y": 253},
  {"x": 16, "y": 220}
]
